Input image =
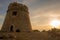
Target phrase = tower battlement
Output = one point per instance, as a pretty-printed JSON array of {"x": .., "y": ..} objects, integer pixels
[{"x": 17, "y": 6}]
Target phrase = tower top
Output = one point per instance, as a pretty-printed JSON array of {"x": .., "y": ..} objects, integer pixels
[{"x": 18, "y": 6}]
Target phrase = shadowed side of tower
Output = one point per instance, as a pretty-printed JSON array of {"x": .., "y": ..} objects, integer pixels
[{"x": 17, "y": 19}]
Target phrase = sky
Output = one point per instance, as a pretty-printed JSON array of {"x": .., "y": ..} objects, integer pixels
[{"x": 41, "y": 12}]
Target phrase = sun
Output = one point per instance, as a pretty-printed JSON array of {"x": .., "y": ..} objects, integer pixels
[{"x": 55, "y": 23}]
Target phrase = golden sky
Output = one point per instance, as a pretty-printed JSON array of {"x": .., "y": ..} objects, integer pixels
[{"x": 41, "y": 12}]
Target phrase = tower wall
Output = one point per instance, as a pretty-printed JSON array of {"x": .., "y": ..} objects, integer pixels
[{"x": 17, "y": 19}]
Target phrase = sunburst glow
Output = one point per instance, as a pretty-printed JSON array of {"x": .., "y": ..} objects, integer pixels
[{"x": 55, "y": 23}]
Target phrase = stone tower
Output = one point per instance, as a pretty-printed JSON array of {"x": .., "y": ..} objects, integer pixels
[{"x": 17, "y": 19}]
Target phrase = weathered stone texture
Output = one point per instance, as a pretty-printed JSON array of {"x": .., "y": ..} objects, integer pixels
[{"x": 18, "y": 17}]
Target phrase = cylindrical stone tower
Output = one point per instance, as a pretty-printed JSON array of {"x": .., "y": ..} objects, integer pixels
[{"x": 17, "y": 19}]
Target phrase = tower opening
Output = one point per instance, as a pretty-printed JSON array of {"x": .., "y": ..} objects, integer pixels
[
  {"x": 17, "y": 30},
  {"x": 11, "y": 28},
  {"x": 14, "y": 13},
  {"x": 1, "y": 37}
]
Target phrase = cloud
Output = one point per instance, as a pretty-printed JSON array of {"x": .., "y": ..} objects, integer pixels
[
  {"x": 27, "y": 2},
  {"x": 2, "y": 16},
  {"x": 2, "y": 19},
  {"x": 0, "y": 26},
  {"x": 1, "y": 5},
  {"x": 42, "y": 15}
]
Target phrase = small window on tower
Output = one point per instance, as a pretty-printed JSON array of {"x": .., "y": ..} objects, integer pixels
[{"x": 14, "y": 13}]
